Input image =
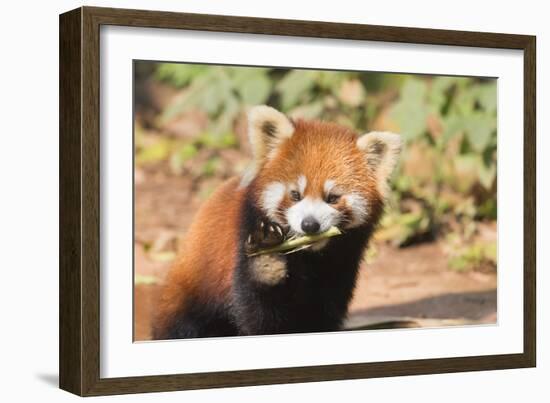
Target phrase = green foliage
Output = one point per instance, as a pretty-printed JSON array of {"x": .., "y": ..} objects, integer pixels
[
  {"x": 140, "y": 279},
  {"x": 182, "y": 154},
  {"x": 472, "y": 256},
  {"x": 296, "y": 86},
  {"x": 465, "y": 107},
  {"x": 179, "y": 75},
  {"x": 152, "y": 149},
  {"x": 401, "y": 229},
  {"x": 219, "y": 141},
  {"x": 451, "y": 121},
  {"x": 219, "y": 91},
  {"x": 410, "y": 112},
  {"x": 210, "y": 167},
  {"x": 158, "y": 151}
]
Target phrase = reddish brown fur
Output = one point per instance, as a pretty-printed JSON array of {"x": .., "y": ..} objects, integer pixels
[{"x": 203, "y": 269}]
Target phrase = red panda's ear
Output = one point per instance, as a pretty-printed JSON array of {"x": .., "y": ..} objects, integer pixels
[
  {"x": 267, "y": 128},
  {"x": 382, "y": 151}
]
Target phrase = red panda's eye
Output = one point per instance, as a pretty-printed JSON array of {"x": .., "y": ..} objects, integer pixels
[
  {"x": 332, "y": 199},
  {"x": 295, "y": 195}
]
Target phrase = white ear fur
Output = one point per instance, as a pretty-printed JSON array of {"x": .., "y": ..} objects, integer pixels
[
  {"x": 382, "y": 151},
  {"x": 267, "y": 127}
]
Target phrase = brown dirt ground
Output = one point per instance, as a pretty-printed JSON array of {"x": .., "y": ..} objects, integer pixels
[{"x": 399, "y": 287}]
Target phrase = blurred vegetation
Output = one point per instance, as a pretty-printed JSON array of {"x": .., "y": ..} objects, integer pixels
[{"x": 444, "y": 187}]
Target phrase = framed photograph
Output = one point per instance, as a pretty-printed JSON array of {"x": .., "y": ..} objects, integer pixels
[{"x": 249, "y": 201}]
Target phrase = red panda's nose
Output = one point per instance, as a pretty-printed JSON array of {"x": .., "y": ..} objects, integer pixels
[{"x": 310, "y": 225}]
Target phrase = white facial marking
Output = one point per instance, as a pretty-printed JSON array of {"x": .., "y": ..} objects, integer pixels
[
  {"x": 272, "y": 197},
  {"x": 325, "y": 215},
  {"x": 302, "y": 183},
  {"x": 358, "y": 206}
]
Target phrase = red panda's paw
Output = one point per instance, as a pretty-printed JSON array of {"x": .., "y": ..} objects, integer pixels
[
  {"x": 266, "y": 234},
  {"x": 269, "y": 269}
]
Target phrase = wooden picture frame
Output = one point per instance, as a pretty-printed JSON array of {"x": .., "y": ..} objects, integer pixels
[{"x": 80, "y": 199}]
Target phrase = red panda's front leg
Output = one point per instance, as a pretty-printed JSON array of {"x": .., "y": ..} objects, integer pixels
[
  {"x": 260, "y": 283},
  {"x": 269, "y": 269}
]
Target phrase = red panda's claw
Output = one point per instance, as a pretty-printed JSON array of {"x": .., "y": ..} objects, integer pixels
[
  {"x": 266, "y": 234},
  {"x": 273, "y": 235},
  {"x": 279, "y": 231}
]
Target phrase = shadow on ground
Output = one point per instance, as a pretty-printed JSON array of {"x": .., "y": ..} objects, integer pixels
[{"x": 472, "y": 306}]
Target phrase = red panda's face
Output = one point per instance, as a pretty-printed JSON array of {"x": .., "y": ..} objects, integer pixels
[
  {"x": 317, "y": 179},
  {"x": 311, "y": 176}
]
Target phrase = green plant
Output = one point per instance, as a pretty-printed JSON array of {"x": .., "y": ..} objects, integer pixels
[
  {"x": 220, "y": 91},
  {"x": 463, "y": 122}
]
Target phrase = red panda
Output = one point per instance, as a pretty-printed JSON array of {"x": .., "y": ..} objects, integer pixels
[{"x": 307, "y": 176}]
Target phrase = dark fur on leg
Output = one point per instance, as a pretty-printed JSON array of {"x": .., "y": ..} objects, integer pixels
[{"x": 201, "y": 320}]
